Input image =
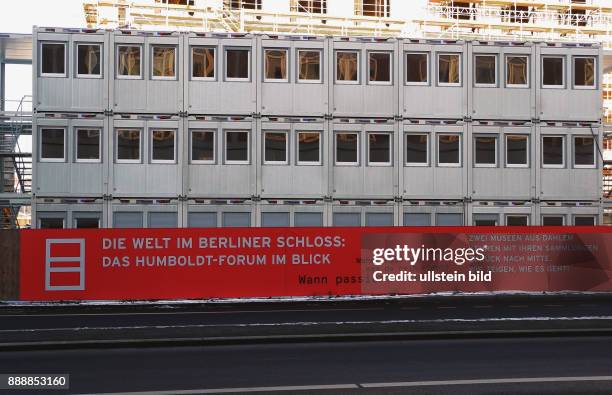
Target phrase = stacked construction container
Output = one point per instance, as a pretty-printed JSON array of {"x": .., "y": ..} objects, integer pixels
[{"x": 143, "y": 129}]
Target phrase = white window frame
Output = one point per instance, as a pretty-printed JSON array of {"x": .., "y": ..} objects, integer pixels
[
  {"x": 380, "y": 164},
  {"x": 76, "y": 145},
  {"x": 286, "y": 50},
  {"x": 496, "y": 66},
  {"x": 458, "y": 54},
  {"x": 595, "y": 66},
  {"x": 163, "y": 161},
  {"x": 97, "y": 76},
  {"x": 203, "y": 162},
  {"x": 176, "y": 65},
  {"x": 510, "y": 165},
  {"x": 301, "y": 81},
  {"x": 517, "y": 215},
  {"x": 76, "y": 218},
  {"x": 594, "y": 165},
  {"x": 54, "y": 75},
  {"x": 39, "y": 221},
  {"x": 427, "y": 152},
  {"x": 139, "y": 160},
  {"x": 427, "y": 56},
  {"x": 51, "y": 160},
  {"x": 236, "y": 162},
  {"x": 193, "y": 78},
  {"x": 390, "y": 82},
  {"x": 297, "y": 146},
  {"x": 128, "y": 77},
  {"x": 563, "y": 219},
  {"x": 563, "y": 75},
  {"x": 460, "y": 164},
  {"x": 225, "y": 69},
  {"x": 528, "y": 76},
  {"x": 561, "y": 166},
  {"x": 593, "y": 216},
  {"x": 275, "y": 162},
  {"x": 336, "y": 162},
  {"x": 344, "y": 82},
  {"x": 486, "y": 165}
]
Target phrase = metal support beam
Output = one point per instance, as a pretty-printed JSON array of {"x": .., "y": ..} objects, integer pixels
[{"x": 2, "y": 84}]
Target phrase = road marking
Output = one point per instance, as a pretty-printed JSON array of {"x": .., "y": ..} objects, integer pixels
[
  {"x": 369, "y": 385},
  {"x": 487, "y": 381},
  {"x": 235, "y": 390},
  {"x": 308, "y": 323},
  {"x": 184, "y": 312}
]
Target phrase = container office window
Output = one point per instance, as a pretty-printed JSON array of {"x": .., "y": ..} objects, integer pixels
[
  {"x": 485, "y": 70},
  {"x": 584, "y": 73},
  {"x": 347, "y": 219},
  {"x": 236, "y": 219},
  {"x": 275, "y": 220},
  {"x": 347, "y": 148},
  {"x": 127, "y": 219},
  {"x": 203, "y": 63},
  {"x": 417, "y": 149},
  {"x": 380, "y": 68},
  {"x": 309, "y": 63},
  {"x": 88, "y": 147},
  {"x": 163, "y": 220},
  {"x": 163, "y": 143},
  {"x": 517, "y": 220},
  {"x": 89, "y": 59},
  {"x": 202, "y": 146},
  {"x": 237, "y": 64},
  {"x": 417, "y": 68},
  {"x": 202, "y": 220},
  {"x": 52, "y": 145},
  {"x": 379, "y": 149},
  {"x": 449, "y": 219},
  {"x": 449, "y": 69},
  {"x": 87, "y": 220},
  {"x": 585, "y": 220},
  {"x": 516, "y": 151},
  {"x": 309, "y": 148},
  {"x": 128, "y": 145},
  {"x": 485, "y": 151},
  {"x": 552, "y": 72},
  {"x": 553, "y": 151},
  {"x": 553, "y": 220},
  {"x": 486, "y": 219},
  {"x": 417, "y": 219},
  {"x": 53, "y": 59},
  {"x": 449, "y": 146},
  {"x": 584, "y": 152},
  {"x": 236, "y": 147},
  {"x": 129, "y": 61},
  {"x": 275, "y": 148},
  {"x": 276, "y": 64},
  {"x": 347, "y": 67},
  {"x": 307, "y": 219},
  {"x": 517, "y": 71},
  {"x": 379, "y": 219},
  {"x": 51, "y": 220},
  {"x": 164, "y": 63}
]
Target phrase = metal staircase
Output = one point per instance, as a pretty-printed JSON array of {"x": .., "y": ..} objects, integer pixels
[{"x": 15, "y": 164}]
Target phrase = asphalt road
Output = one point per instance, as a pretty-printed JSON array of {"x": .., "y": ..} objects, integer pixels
[
  {"x": 566, "y": 365},
  {"x": 51, "y": 318}
]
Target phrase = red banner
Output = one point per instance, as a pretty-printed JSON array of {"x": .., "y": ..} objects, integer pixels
[{"x": 132, "y": 264}]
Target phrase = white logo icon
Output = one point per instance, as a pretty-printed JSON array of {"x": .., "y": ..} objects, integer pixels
[{"x": 56, "y": 264}]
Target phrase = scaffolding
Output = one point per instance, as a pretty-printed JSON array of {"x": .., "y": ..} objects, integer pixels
[{"x": 15, "y": 166}]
